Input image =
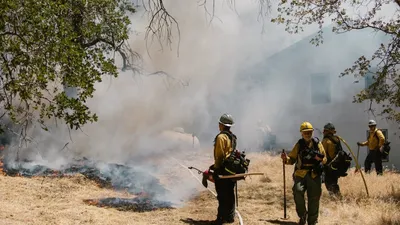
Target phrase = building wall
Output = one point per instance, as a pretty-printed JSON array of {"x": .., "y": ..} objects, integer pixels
[{"x": 292, "y": 71}]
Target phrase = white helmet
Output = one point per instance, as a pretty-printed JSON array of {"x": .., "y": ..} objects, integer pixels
[
  {"x": 226, "y": 120},
  {"x": 372, "y": 123}
]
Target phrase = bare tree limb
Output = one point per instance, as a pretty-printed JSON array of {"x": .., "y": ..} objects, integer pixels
[
  {"x": 182, "y": 82},
  {"x": 160, "y": 25}
]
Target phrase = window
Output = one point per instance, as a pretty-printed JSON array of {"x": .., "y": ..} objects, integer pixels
[
  {"x": 71, "y": 92},
  {"x": 370, "y": 78},
  {"x": 320, "y": 89}
]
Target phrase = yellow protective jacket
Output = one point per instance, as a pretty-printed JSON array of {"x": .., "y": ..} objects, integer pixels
[
  {"x": 222, "y": 149},
  {"x": 294, "y": 157},
  {"x": 330, "y": 147},
  {"x": 374, "y": 143}
]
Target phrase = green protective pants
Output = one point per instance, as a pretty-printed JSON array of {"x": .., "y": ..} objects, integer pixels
[{"x": 313, "y": 188}]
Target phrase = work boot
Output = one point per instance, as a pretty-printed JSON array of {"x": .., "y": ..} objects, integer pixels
[
  {"x": 303, "y": 220},
  {"x": 218, "y": 221},
  {"x": 229, "y": 220}
]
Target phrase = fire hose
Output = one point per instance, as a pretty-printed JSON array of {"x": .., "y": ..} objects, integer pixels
[
  {"x": 188, "y": 168},
  {"x": 357, "y": 165}
]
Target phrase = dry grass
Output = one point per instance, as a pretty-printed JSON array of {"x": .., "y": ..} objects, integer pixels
[{"x": 60, "y": 200}]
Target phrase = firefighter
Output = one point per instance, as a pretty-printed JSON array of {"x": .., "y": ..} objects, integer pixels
[
  {"x": 330, "y": 142},
  {"x": 308, "y": 155},
  {"x": 224, "y": 143},
  {"x": 375, "y": 142}
]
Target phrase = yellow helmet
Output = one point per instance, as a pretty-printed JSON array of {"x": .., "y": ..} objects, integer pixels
[{"x": 306, "y": 126}]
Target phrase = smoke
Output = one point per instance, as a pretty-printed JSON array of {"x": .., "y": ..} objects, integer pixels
[
  {"x": 211, "y": 72},
  {"x": 198, "y": 86}
]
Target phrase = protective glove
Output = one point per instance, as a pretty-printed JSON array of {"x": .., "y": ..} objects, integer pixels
[
  {"x": 212, "y": 167},
  {"x": 204, "y": 181}
]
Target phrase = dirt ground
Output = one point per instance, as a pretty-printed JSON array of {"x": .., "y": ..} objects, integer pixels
[{"x": 48, "y": 200}]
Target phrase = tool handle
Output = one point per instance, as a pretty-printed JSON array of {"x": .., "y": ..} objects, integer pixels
[
  {"x": 194, "y": 168},
  {"x": 284, "y": 187}
]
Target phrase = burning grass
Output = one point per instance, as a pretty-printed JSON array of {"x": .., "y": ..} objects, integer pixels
[
  {"x": 118, "y": 177},
  {"x": 113, "y": 176}
]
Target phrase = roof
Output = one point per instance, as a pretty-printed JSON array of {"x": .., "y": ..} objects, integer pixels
[
  {"x": 302, "y": 54},
  {"x": 329, "y": 38}
]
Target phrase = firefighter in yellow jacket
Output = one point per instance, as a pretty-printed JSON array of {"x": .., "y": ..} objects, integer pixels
[
  {"x": 308, "y": 155},
  {"x": 375, "y": 143},
  {"x": 330, "y": 142},
  {"x": 224, "y": 144}
]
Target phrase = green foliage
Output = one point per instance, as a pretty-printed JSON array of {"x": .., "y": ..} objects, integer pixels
[
  {"x": 49, "y": 44},
  {"x": 385, "y": 91}
]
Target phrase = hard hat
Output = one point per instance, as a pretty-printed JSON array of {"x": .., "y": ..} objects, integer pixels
[
  {"x": 226, "y": 120},
  {"x": 306, "y": 126},
  {"x": 372, "y": 123},
  {"x": 329, "y": 126}
]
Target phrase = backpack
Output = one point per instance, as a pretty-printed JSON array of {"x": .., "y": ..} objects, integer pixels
[
  {"x": 341, "y": 163},
  {"x": 386, "y": 148},
  {"x": 236, "y": 163}
]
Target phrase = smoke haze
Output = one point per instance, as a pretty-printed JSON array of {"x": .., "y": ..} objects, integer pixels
[{"x": 209, "y": 77}]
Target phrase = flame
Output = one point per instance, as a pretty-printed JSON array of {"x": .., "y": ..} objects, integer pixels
[{"x": 93, "y": 202}]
